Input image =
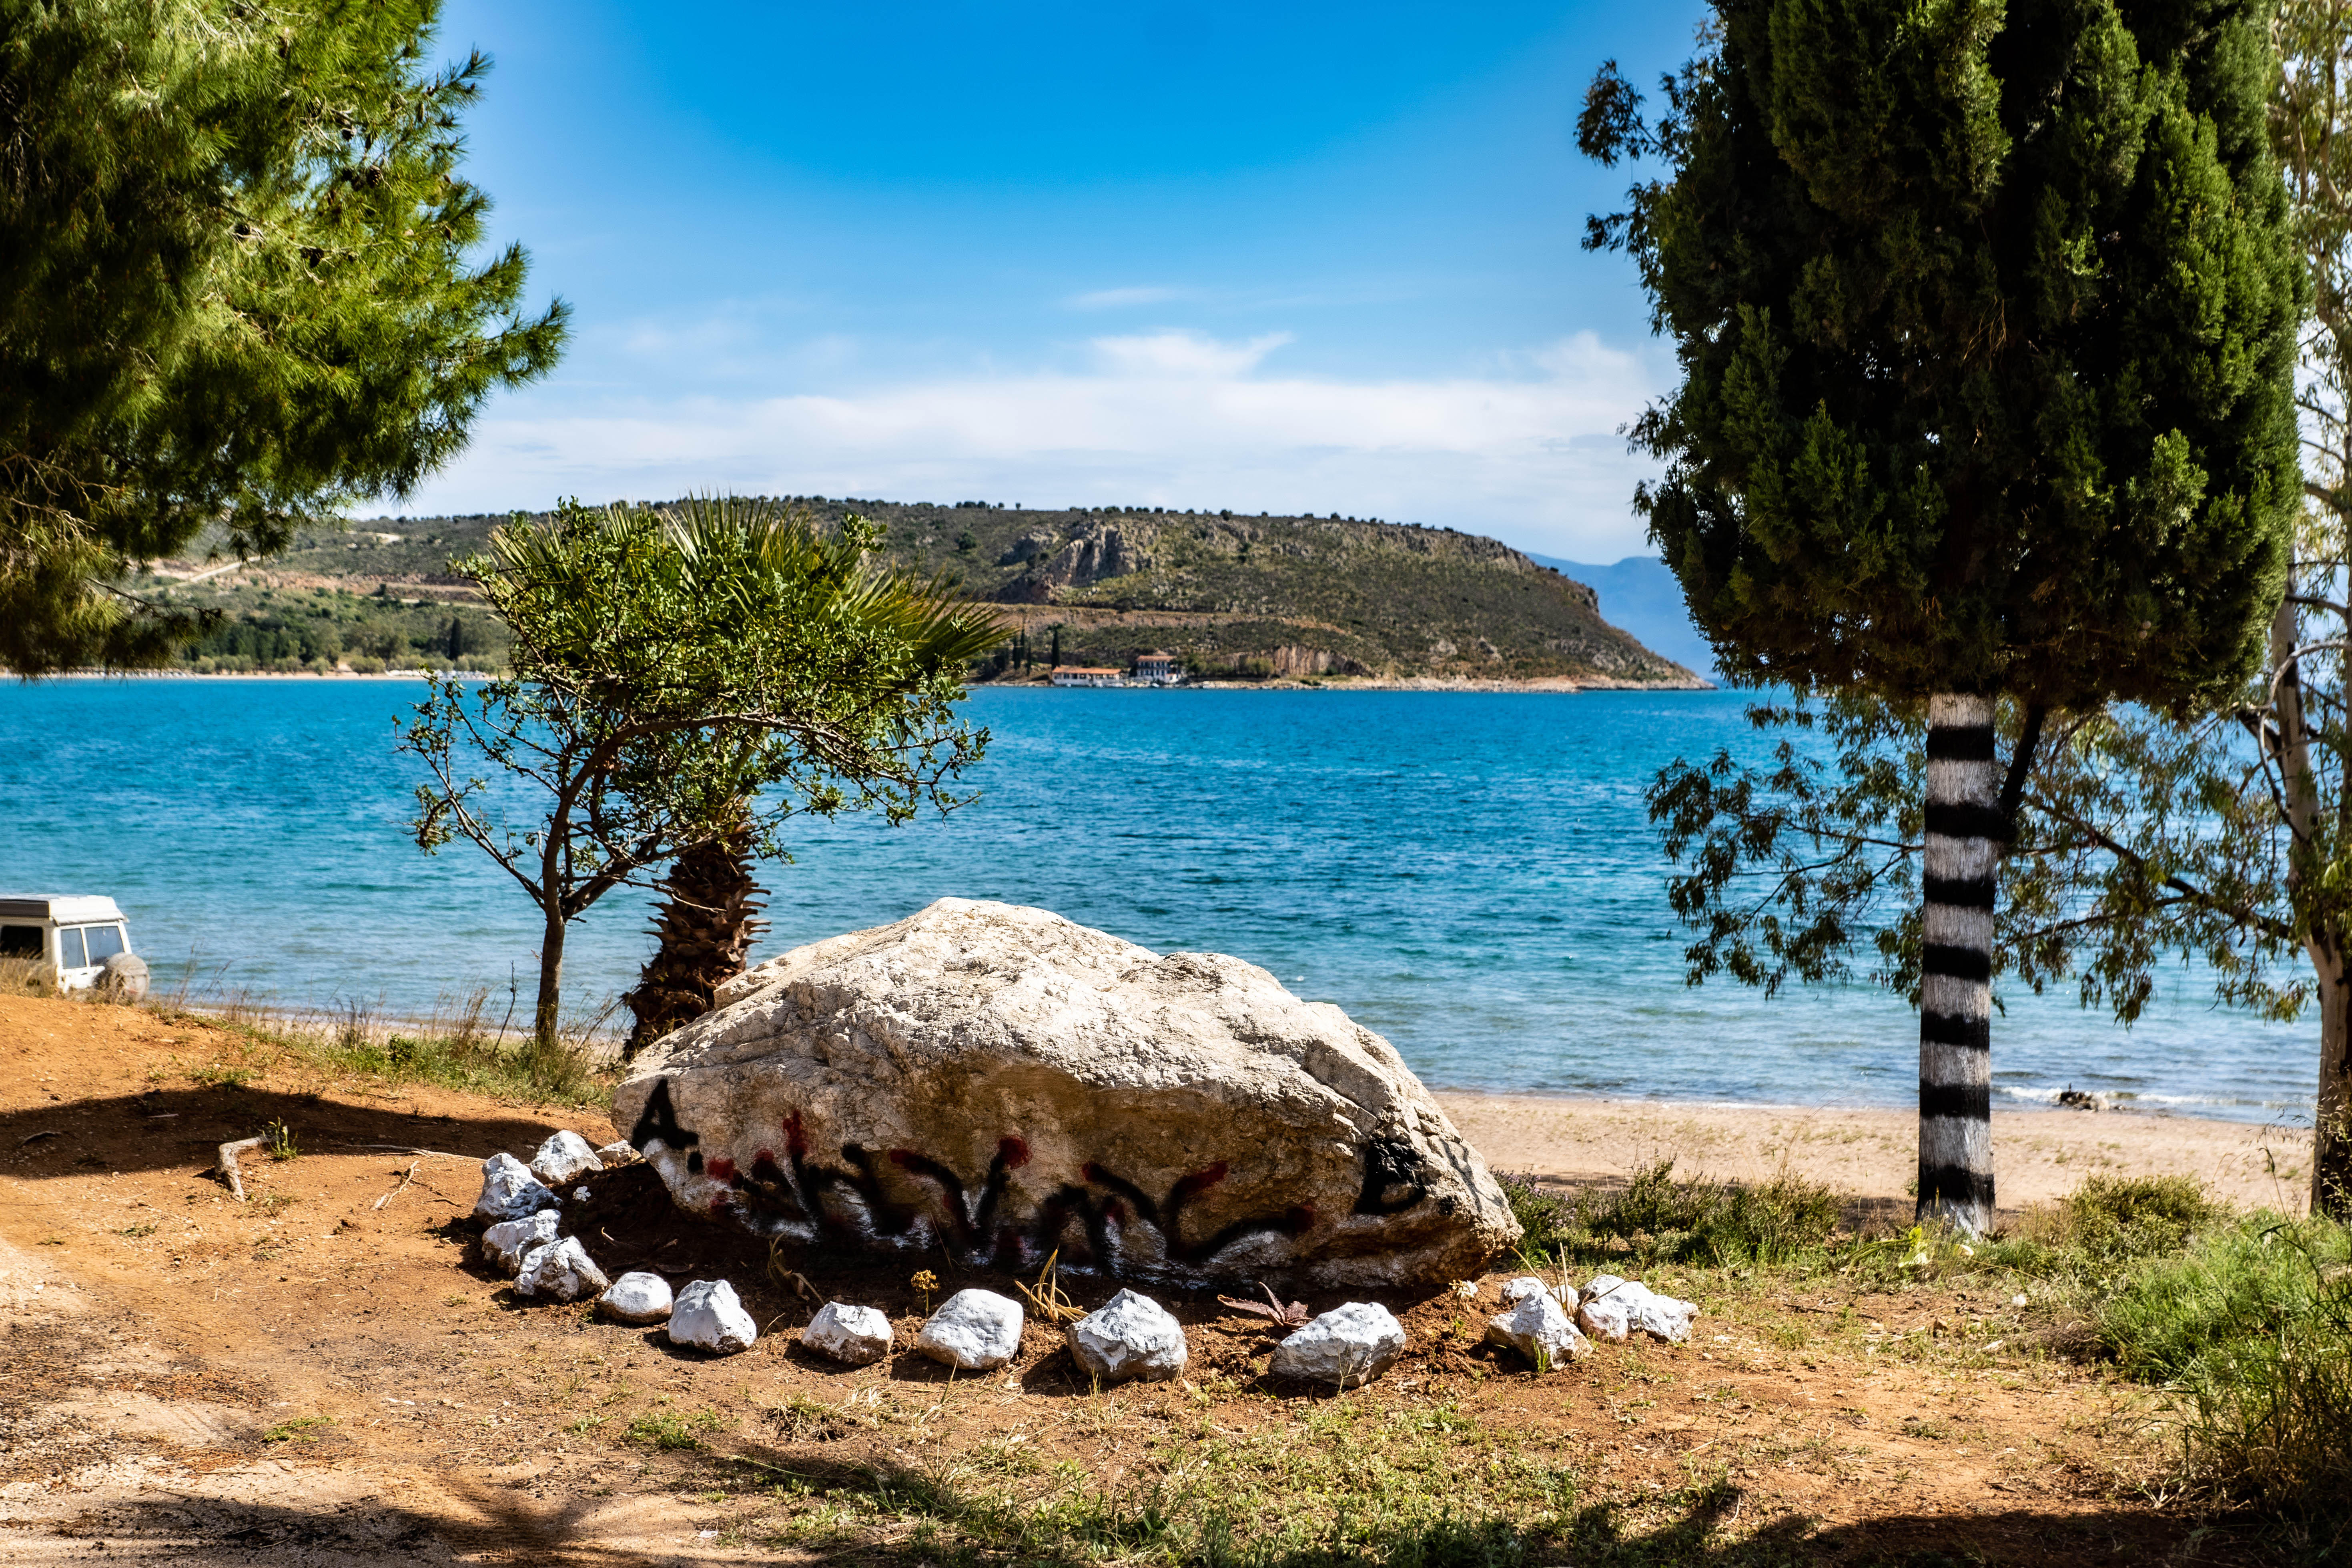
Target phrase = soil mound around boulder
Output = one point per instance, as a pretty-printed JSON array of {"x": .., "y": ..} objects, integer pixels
[{"x": 1005, "y": 1084}]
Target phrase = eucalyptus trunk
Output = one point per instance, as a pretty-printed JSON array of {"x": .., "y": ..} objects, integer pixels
[
  {"x": 1966, "y": 835},
  {"x": 2331, "y": 1150}
]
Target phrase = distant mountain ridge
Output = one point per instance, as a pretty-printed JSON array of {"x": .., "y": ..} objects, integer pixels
[
  {"x": 1642, "y": 594},
  {"x": 1252, "y": 596}
]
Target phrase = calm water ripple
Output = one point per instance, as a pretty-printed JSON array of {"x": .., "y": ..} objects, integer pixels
[{"x": 1472, "y": 874}]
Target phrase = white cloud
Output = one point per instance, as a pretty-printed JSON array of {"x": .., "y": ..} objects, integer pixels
[
  {"x": 1120, "y": 299},
  {"x": 1179, "y": 353},
  {"x": 1171, "y": 419}
]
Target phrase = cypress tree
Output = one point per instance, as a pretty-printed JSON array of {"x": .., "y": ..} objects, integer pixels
[{"x": 1987, "y": 321}]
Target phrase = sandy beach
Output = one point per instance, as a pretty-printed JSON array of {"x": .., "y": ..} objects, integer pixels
[{"x": 1870, "y": 1156}]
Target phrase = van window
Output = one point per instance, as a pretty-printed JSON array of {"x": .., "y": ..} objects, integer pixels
[
  {"x": 70, "y": 949},
  {"x": 105, "y": 942},
  {"x": 20, "y": 942}
]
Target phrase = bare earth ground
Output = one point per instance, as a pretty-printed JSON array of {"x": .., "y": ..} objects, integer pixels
[{"x": 321, "y": 1376}]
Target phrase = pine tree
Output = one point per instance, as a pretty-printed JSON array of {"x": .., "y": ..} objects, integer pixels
[
  {"x": 1986, "y": 316},
  {"x": 236, "y": 288}
]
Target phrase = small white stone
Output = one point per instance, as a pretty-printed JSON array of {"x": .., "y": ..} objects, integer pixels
[
  {"x": 1518, "y": 1291},
  {"x": 580, "y": 1194},
  {"x": 858, "y": 1335},
  {"x": 1605, "y": 1318},
  {"x": 708, "y": 1314},
  {"x": 637, "y": 1298},
  {"x": 1539, "y": 1328},
  {"x": 510, "y": 1191},
  {"x": 974, "y": 1330},
  {"x": 619, "y": 1153},
  {"x": 1128, "y": 1336},
  {"x": 565, "y": 1157},
  {"x": 508, "y": 1242},
  {"x": 561, "y": 1269},
  {"x": 1345, "y": 1346},
  {"x": 1624, "y": 1305}
]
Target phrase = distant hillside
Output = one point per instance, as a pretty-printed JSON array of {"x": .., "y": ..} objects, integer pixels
[
  {"x": 1640, "y": 595},
  {"x": 1247, "y": 597}
]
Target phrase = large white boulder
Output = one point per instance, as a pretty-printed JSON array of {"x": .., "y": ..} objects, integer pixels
[
  {"x": 1005, "y": 1083},
  {"x": 1348, "y": 1346},
  {"x": 974, "y": 1330},
  {"x": 709, "y": 1314},
  {"x": 510, "y": 1241},
  {"x": 1537, "y": 1327},
  {"x": 510, "y": 1191},
  {"x": 561, "y": 1269},
  {"x": 637, "y": 1298},
  {"x": 1518, "y": 1291},
  {"x": 1130, "y": 1336},
  {"x": 565, "y": 1157},
  {"x": 859, "y": 1336}
]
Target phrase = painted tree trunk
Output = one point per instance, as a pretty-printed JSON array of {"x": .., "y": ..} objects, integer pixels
[{"x": 1965, "y": 835}]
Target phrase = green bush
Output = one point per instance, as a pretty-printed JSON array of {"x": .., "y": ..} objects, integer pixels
[{"x": 2250, "y": 1327}]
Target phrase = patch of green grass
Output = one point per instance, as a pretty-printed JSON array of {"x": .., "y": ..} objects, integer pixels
[
  {"x": 669, "y": 1429},
  {"x": 300, "y": 1429},
  {"x": 1658, "y": 1218}
]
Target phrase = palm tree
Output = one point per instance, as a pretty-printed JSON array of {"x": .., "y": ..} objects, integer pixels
[{"x": 916, "y": 633}]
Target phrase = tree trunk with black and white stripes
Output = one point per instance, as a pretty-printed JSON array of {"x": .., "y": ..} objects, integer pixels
[{"x": 1966, "y": 836}]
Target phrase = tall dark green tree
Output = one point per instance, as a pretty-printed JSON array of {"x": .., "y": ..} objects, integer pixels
[
  {"x": 239, "y": 287},
  {"x": 1987, "y": 321}
]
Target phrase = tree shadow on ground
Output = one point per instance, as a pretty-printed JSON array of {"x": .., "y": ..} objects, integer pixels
[
  {"x": 173, "y": 1128},
  {"x": 921, "y": 1519}
]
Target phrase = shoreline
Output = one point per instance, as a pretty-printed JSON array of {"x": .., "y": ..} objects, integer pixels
[{"x": 1869, "y": 1153}]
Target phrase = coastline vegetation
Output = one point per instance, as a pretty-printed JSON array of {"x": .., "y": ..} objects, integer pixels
[{"x": 2240, "y": 1323}]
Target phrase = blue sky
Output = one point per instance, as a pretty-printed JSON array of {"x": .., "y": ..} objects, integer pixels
[{"x": 1287, "y": 259}]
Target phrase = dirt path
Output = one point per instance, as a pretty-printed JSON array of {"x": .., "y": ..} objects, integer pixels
[{"x": 321, "y": 1378}]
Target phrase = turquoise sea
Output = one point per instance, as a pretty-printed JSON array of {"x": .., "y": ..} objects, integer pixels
[{"x": 1472, "y": 874}]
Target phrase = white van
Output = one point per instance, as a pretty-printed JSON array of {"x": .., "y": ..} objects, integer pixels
[{"x": 75, "y": 937}]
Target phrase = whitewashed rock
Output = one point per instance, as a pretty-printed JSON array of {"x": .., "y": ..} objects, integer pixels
[
  {"x": 1130, "y": 1336},
  {"x": 974, "y": 1330},
  {"x": 1626, "y": 1305},
  {"x": 1605, "y": 1318},
  {"x": 708, "y": 1314},
  {"x": 1518, "y": 1291},
  {"x": 580, "y": 1194},
  {"x": 1665, "y": 1317},
  {"x": 617, "y": 1153},
  {"x": 1348, "y": 1346},
  {"x": 510, "y": 1191},
  {"x": 1003, "y": 1083},
  {"x": 508, "y": 1242},
  {"x": 565, "y": 1157},
  {"x": 560, "y": 1270},
  {"x": 1539, "y": 1328},
  {"x": 858, "y": 1335},
  {"x": 637, "y": 1298}
]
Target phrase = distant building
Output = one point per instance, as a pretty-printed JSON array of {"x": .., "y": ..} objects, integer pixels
[
  {"x": 1079, "y": 675},
  {"x": 1158, "y": 667}
]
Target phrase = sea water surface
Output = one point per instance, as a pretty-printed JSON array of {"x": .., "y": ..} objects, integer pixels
[{"x": 1472, "y": 874}]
